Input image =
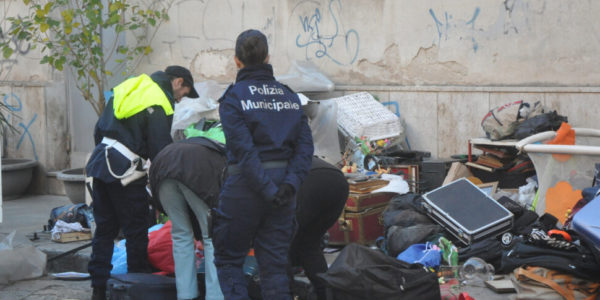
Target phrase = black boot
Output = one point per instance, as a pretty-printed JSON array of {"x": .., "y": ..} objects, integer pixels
[{"x": 99, "y": 293}]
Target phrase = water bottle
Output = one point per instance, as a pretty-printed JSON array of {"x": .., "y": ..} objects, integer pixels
[{"x": 475, "y": 270}]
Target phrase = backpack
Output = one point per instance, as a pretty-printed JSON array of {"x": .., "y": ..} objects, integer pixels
[
  {"x": 71, "y": 213},
  {"x": 501, "y": 122},
  {"x": 578, "y": 262},
  {"x": 540, "y": 123}
]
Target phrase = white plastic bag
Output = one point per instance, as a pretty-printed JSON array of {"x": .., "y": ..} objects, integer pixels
[
  {"x": 191, "y": 110},
  {"x": 304, "y": 76},
  {"x": 322, "y": 119},
  {"x": 17, "y": 263},
  {"x": 527, "y": 193}
]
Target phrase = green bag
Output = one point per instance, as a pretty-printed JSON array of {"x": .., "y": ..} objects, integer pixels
[{"x": 214, "y": 133}]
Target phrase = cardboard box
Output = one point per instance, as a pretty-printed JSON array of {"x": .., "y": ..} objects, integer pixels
[{"x": 66, "y": 237}]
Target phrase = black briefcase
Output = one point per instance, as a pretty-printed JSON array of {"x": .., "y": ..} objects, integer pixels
[{"x": 467, "y": 212}]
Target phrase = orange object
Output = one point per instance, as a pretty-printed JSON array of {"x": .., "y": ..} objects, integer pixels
[
  {"x": 564, "y": 136},
  {"x": 560, "y": 198},
  {"x": 564, "y": 234}
]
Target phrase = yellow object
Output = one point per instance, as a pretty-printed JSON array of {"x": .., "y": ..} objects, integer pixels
[
  {"x": 474, "y": 180},
  {"x": 136, "y": 94}
]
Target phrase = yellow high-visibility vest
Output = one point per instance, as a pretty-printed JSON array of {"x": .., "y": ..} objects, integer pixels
[{"x": 136, "y": 94}]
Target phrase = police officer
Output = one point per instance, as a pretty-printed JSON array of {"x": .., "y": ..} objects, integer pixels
[
  {"x": 134, "y": 127},
  {"x": 269, "y": 152}
]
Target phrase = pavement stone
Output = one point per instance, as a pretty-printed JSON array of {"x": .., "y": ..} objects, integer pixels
[
  {"x": 46, "y": 288},
  {"x": 27, "y": 215}
]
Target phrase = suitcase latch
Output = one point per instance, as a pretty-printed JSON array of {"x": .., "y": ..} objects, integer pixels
[{"x": 344, "y": 225}]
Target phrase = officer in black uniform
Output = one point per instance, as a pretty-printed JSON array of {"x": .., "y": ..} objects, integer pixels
[
  {"x": 134, "y": 127},
  {"x": 269, "y": 152}
]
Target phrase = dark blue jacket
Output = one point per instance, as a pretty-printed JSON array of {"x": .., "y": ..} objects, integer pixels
[
  {"x": 263, "y": 121},
  {"x": 145, "y": 133}
]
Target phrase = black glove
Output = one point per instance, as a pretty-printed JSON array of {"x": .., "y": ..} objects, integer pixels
[{"x": 284, "y": 195}]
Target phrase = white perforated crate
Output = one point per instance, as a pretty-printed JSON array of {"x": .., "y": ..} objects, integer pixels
[{"x": 361, "y": 115}]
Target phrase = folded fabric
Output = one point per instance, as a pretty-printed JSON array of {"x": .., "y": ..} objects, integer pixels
[{"x": 62, "y": 226}]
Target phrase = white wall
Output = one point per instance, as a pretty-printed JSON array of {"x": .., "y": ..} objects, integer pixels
[{"x": 444, "y": 62}]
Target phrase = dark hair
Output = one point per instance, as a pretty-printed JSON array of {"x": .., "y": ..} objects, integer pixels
[
  {"x": 184, "y": 83},
  {"x": 251, "y": 47}
]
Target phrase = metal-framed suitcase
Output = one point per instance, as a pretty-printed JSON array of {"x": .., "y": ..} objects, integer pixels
[
  {"x": 360, "y": 202},
  {"x": 357, "y": 227},
  {"x": 587, "y": 223},
  {"x": 467, "y": 212}
]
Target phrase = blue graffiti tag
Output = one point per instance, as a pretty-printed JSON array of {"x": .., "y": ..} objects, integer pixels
[
  {"x": 17, "y": 107},
  {"x": 13, "y": 107},
  {"x": 313, "y": 37},
  {"x": 26, "y": 131},
  {"x": 443, "y": 28}
]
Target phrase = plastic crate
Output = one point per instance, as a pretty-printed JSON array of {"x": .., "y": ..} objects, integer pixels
[{"x": 361, "y": 115}]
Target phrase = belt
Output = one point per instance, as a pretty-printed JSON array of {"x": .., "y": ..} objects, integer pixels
[
  {"x": 272, "y": 164},
  {"x": 112, "y": 143}
]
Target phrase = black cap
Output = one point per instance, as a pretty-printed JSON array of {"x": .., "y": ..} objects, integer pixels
[{"x": 179, "y": 71}]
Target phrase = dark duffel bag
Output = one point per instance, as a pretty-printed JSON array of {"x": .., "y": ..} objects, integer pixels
[
  {"x": 363, "y": 273},
  {"x": 141, "y": 286},
  {"x": 579, "y": 262}
]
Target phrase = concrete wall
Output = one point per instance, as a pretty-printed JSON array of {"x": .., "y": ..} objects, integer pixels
[
  {"x": 36, "y": 98},
  {"x": 445, "y": 63}
]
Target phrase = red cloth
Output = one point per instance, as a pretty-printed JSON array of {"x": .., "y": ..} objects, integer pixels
[{"x": 160, "y": 249}]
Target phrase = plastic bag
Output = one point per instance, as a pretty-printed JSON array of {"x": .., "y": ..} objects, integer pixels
[
  {"x": 190, "y": 111},
  {"x": 426, "y": 254},
  {"x": 18, "y": 263},
  {"x": 119, "y": 258},
  {"x": 304, "y": 76},
  {"x": 527, "y": 193},
  {"x": 322, "y": 119}
]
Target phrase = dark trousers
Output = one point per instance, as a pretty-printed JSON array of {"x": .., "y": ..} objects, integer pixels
[
  {"x": 244, "y": 220},
  {"x": 320, "y": 202},
  {"x": 118, "y": 207}
]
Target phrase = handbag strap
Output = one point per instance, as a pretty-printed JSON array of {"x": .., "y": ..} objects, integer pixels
[{"x": 523, "y": 272}]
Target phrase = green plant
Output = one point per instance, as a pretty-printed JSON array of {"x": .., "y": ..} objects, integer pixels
[
  {"x": 4, "y": 123},
  {"x": 70, "y": 34}
]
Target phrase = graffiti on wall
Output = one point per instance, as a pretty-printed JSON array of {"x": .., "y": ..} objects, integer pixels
[
  {"x": 15, "y": 106},
  {"x": 447, "y": 27},
  {"x": 21, "y": 47},
  {"x": 217, "y": 25},
  {"x": 322, "y": 34}
]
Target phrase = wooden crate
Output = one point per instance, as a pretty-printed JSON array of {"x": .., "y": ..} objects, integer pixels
[{"x": 66, "y": 237}]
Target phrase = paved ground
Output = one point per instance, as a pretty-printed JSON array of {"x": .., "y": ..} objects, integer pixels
[{"x": 28, "y": 214}]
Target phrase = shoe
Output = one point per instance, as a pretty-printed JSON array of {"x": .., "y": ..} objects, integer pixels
[{"x": 99, "y": 293}]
